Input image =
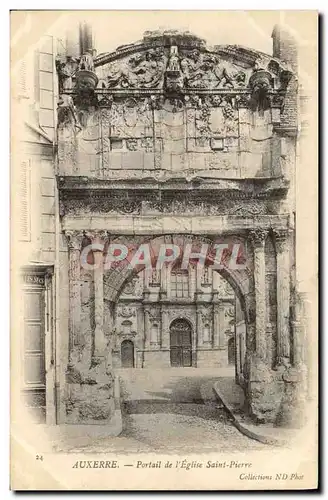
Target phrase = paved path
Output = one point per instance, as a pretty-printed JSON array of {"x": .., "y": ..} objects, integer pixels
[
  {"x": 176, "y": 410},
  {"x": 171, "y": 411},
  {"x": 180, "y": 385}
]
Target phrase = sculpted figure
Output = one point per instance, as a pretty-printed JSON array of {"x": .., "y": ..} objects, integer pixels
[
  {"x": 66, "y": 71},
  {"x": 67, "y": 115},
  {"x": 145, "y": 69},
  {"x": 86, "y": 63},
  {"x": 174, "y": 64},
  {"x": 204, "y": 69}
]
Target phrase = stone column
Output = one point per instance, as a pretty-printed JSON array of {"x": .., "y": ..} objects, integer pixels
[
  {"x": 147, "y": 328},
  {"x": 199, "y": 327},
  {"x": 283, "y": 295},
  {"x": 110, "y": 334},
  {"x": 165, "y": 333},
  {"x": 164, "y": 282},
  {"x": 192, "y": 281},
  {"x": 199, "y": 273},
  {"x": 74, "y": 240},
  {"x": 215, "y": 281},
  {"x": 221, "y": 314},
  {"x": 100, "y": 341},
  {"x": 216, "y": 321},
  {"x": 257, "y": 238}
]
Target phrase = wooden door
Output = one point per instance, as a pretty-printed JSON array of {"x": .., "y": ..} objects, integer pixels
[
  {"x": 127, "y": 354},
  {"x": 34, "y": 378},
  {"x": 180, "y": 343}
]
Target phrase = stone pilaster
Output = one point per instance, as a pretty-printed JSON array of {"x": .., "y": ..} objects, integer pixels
[
  {"x": 221, "y": 324},
  {"x": 199, "y": 273},
  {"x": 257, "y": 238},
  {"x": 165, "y": 285},
  {"x": 199, "y": 326},
  {"x": 283, "y": 295},
  {"x": 147, "y": 328},
  {"x": 98, "y": 238},
  {"x": 216, "y": 320},
  {"x": 192, "y": 281},
  {"x": 74, "y": 240},
  {"x": 165, "y": 333}
]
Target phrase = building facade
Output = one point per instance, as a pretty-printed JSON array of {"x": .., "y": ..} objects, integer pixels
[
  {"x": 162, "y": 140},
  {"x": 165, "y": 322}
]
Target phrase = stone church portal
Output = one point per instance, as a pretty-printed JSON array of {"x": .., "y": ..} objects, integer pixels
[{"x": 167, "y": 143}]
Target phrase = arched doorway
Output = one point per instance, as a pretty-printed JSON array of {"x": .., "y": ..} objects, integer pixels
[
  {"x": 127, "y": 354},
  {"x": 180, "y": 343}
]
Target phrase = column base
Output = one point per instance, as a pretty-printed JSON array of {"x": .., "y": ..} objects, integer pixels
[
  {"x": 264, "y": 391},
  {"x": 276, "y": 396},
  {"x": 292, "y": 410},
  {"x": 92, "y": 394}
]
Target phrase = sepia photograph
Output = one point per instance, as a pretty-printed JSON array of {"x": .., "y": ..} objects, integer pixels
[{"x": 164, "y": 250}]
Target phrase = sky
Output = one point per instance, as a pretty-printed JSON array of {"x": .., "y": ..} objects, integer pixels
[
  {"x": 113, "y": 28},
  {"x": 249, "y": 28}
]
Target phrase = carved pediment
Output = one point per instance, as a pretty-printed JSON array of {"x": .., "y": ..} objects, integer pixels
[
  {"x": 151, "y": 107},
  {"x": 176, "y": 61},
  {"x": 172, "y": 68}
]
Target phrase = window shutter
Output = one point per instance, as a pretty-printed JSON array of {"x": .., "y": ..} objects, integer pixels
[{"x": 25, "y": 201}]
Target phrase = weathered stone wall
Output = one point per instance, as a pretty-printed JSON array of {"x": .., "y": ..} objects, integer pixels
[
  {"x": 184, "y": 140},
  {"x": 197, "y": 137}
]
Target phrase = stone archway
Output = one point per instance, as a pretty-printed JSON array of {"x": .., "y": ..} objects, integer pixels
[
  {"x": 248, "y": 284},
  {"x": 240, "y": 280}
]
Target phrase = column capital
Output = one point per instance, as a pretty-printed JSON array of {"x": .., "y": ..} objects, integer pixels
[
  {"x": 281, "y": 238},
  {"x": 258, "y": 237},
  {"x": 97, "y": 236},
  {"x": 74, "y": 239}
]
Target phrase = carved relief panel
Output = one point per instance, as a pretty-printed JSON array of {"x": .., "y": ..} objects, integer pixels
[{"x": 157, "y": 103}]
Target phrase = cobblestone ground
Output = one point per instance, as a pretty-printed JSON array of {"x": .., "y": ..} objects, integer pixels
[
  {"x": 185, "y": 427},
  {"x": 155, "y": 419}
]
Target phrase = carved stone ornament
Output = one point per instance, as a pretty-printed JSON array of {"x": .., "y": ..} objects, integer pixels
[
  {"x": 145, "y": 69},
  {"x": 206, "y": 314},
  {"x": 154, "y": 314},
  {"x": 97, "y": 236},
  {"x": 74, "y": 239},
  {"x": 173, "y": 74},
  {"x": 126, "y": 312},
  {"x": 86, "y": 63},
  {"x": 67, "y": 114},
  {"x": 182, "y": 61},
  {"x": 130, "y": 287},
  {"x": 66, "y": 71},
  {"x": 230, "y": 312},
  {"x": 243, "y": 100},
  {"x": 132, "y": 144},
  {"x": 116, "y": 203},
  {"x": 260, "y": 82},
  {"x": 258, "y": 237},
  {"x": 281, "y": 238}
]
